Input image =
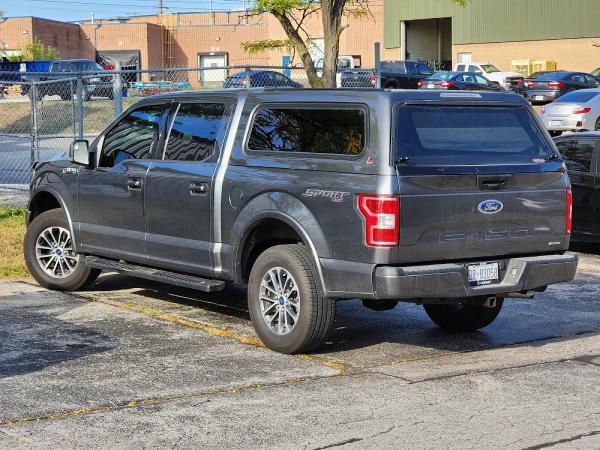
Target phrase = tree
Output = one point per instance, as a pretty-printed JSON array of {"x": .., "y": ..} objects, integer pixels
[
  {"x": 292, "y": 15},
  {"x": 36, "y": 50}
]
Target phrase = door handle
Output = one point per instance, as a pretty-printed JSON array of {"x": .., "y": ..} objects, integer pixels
[
  {"x": 198, "y": 188},
  {"x": 134, "y": 184},
  {"x": 493, "y": 182}
]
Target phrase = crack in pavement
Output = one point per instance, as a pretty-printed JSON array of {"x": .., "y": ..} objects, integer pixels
[
  {"x": 354, "y": 440},
  {"x": 490, "y": 347},
  {"x": 563, "y": 441},
  {"x": 155, "y": 401}
]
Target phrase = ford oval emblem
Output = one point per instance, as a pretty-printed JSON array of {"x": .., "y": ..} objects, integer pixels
[{"x": 490, "y": 207}]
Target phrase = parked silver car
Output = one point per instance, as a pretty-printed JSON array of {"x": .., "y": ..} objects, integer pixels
[{"x": 575, "y": 111}]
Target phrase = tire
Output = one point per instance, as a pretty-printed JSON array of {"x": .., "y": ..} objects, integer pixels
[
  {"x": 463, "y": 316},
  {"x": 390, "y": 85},
  {"x": 597, "y": 126},
  {"x": 294, "y": 266},
  {"x": 43, "y": 233}
]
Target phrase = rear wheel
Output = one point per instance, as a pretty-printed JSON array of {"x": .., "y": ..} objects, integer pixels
[
  {"x": 287, "y": 310},
  {"x": 463, "y": 316},
  {"x": 50, "y": 257},
  {"x": 597, "y": 126}
]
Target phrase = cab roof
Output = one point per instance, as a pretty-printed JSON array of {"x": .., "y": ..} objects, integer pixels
[{"x": 354, "y": 95}]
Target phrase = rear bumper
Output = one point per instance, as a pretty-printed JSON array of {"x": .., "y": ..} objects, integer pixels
[
  {"x": 568, "y": 123},
  {"x": 541, "y": 96},
  {"x": 441, "y": 281}
]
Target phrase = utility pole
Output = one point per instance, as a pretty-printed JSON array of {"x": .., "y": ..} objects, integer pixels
[
  {"x": 92, "y": 18},
  {"x": 160, "y": 7}
]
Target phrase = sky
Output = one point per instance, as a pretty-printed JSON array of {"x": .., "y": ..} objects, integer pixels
[{"x": 72, "y": 10}]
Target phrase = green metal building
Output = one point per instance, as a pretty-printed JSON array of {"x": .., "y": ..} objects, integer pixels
[{"x": 496, "y": 31}]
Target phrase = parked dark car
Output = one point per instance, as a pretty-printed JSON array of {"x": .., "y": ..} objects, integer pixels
[
  {"x": 456, "y": 202},
  {"x": 97, "y": 81},
  {"x": 552, "y": 85},
  {"x": 581, "y": 154},
  {"x": 459, "y": 81},
  {"x": 524, "y": 83},
  {"x": 259, "y": 78},
  {"x": 403, "y": 74},
  {"x": 394, "y": 75}
]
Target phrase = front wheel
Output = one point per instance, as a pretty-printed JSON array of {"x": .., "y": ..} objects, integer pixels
[
  {"x": 463, "y": 316},
  {"x": 288, "y": 312},
  {"x": 50, "y": 257}
]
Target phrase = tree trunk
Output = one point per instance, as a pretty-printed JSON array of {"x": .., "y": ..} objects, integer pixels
[
  {"x": 332, "y": 29},
  {"x": 309, "y": 65}
]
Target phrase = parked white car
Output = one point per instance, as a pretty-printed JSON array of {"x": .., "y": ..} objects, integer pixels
[
  {"x": 575, "y": 111},
  {"x": 508, "y": 80},
  {"x": 344, "y": 63}
]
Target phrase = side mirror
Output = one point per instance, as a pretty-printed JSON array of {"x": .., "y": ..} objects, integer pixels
[{"x": 80, "y": 152}]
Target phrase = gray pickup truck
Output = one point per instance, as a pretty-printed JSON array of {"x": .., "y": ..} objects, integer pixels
[{"x": 455, "y": 201}]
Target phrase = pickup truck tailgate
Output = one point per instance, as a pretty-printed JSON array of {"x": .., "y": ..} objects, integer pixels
[
  {"x": 477, "y": 182},
  {"x": 460, "y": 217}
]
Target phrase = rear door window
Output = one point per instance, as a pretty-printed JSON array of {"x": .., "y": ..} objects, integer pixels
[
  {"x": 468, "y": 135},
  {"x": 195, "y": 132},
  {"x": 329, "y": 131},
  {"x": 577, "y": 154}
]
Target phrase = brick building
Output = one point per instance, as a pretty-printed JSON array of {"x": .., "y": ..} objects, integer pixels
[{"x": 183, "y": 39}]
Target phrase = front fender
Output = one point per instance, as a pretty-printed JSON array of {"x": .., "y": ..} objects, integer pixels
[{"x": 66, "y": 206}]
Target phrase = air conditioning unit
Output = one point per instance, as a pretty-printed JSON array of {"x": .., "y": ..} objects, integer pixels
[
  {"x": 522, "y": 66},
  {"x": 543, "y": 66}
]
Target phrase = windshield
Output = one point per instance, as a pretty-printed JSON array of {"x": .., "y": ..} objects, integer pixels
[
  {"x": 577, "y": 97},
  {"x": 489, "y": 68},
  {"x": 468, "y": 135}
]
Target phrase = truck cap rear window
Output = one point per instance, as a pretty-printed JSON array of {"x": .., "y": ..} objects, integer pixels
[{"x": 468, "y": 135}]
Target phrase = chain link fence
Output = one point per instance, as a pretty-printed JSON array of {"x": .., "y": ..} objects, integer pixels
[{"x": 41, "y": 113}]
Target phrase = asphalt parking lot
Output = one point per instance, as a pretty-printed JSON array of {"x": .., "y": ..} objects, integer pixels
[{"x": 138, "y": 364}]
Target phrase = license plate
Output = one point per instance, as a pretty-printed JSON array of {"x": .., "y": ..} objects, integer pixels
[
  {"x": 482, "y": 274},
  {"x": 539, "y": 98},
  {"x": 430, "y": 86},
  {"x": 555, "y": 123}
]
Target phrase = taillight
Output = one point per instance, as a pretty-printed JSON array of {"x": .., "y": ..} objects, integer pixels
[
  {"x": 446, "y": 84},
  {"x": 569, "y": 226},
  {"x": 581, "y": 110},
  {"x": 420, "y": 84},
  {"x": 556, "y": 84},
  {"x": 543, "y": 111},
  {"x": 372, "y": 80},
  {"x": 382, "y": 219}
]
